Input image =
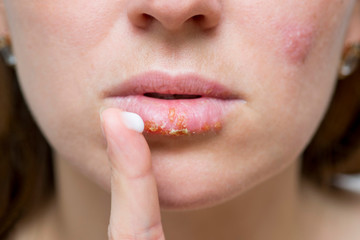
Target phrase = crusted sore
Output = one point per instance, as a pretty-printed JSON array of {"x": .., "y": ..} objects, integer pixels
[{"x": 178, "y": 126}]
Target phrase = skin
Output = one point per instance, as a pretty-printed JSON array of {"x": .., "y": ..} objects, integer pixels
[{"x": 281, "y": 55}]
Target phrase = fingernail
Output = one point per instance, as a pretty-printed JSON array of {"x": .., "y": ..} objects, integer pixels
[{"x": 133, "y": 121}]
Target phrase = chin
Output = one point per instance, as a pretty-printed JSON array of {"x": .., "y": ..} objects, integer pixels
[
  {"x": 193, "y": 190},
  {"x": 197, "y": 188},
  {"x": 193, "y": 200}
]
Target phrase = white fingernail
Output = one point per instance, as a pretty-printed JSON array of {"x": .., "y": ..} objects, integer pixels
[{"x": 133, "y": 121}]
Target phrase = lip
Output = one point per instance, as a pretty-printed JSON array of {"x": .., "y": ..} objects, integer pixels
[{"x": 175, "y": 117}]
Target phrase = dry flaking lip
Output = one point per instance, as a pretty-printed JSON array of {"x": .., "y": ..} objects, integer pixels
[{"x": 186, "y": 117}]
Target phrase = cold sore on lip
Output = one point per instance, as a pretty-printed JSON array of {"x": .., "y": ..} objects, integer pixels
[
  {"x": 178, "y": 125},
  {"x": 175, "y": 105}
]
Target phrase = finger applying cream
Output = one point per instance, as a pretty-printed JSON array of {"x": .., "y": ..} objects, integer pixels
[{"x": 135, "y": 211}]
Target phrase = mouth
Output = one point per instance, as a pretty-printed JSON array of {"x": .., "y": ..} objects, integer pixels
[
  {"x": 175, "y": 105},
  {"x": 171, "y": 96}
]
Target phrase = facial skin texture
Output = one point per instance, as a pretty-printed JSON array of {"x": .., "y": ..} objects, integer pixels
[{"x": 282, "y": 55}]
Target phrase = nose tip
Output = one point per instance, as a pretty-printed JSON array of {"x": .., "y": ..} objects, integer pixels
[{"x": 173, "y": 14}]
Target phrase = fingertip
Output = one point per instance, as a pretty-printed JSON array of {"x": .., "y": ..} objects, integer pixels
[
  {"x": 133, "y": 121},
  {"x": 127, "y": 150}
]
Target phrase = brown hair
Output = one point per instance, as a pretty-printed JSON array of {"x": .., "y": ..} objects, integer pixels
[
  {"x": 26, "y": 174},
  {"x": 26, "y": 160},
  {"x": 335, "y": 148}
]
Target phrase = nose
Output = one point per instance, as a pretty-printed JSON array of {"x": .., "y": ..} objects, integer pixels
[{"x": 173, "y": 14}]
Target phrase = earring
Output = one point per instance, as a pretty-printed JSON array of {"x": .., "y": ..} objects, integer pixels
[
  {"x": 350, "y": 61},
  {"x": 6, "y": 52}
]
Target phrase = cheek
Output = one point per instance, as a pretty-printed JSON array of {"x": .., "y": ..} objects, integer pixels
[
  {"x": 74, "y": 24},
  {"x": 296, "y": 41},
  {"x": 302, "y": 33},
  {"x": 293, "y": 38},
  {"x": 287, "y": 31}
]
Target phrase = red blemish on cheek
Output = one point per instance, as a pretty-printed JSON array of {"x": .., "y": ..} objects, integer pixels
[{"x": 297, "y": 41}]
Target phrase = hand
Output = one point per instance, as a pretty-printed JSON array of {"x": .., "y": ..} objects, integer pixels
[{"x": 135, "y": 211}]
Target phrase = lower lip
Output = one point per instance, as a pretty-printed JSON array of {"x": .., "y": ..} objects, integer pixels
[{"x": 178, "y": 117}]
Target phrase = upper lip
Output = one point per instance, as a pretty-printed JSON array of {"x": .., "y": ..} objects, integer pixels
[{"x": 166, "y": 83}]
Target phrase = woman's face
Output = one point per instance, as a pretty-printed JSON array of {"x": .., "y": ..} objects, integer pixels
[{"x": 278, "y": 57}]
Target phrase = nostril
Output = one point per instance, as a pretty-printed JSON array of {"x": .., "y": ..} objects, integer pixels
[
  {"x": 145, "y": 19},
  {"x": 141, "y": 20},
  {"x": 199, "y": 18},
  {"x": 146, "y": 16},
  {"x": 173, "y": 14}
]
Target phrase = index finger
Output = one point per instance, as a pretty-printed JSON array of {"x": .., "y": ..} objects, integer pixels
[{"x": 135, "y": 211}]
